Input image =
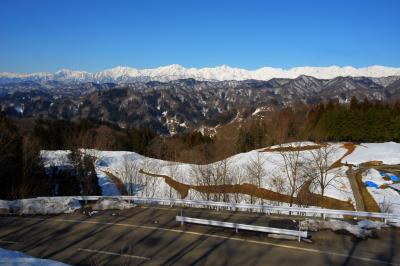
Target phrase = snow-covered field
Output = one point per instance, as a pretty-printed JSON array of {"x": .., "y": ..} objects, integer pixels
[
  {"x": 388, "y": 153},
  {"x": 387, "y": 198},
  {"x": 16, "y": 258},
  {"x": 126, "y": 165}
]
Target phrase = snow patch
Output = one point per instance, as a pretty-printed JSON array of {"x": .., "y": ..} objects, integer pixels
[
  {"x": 334, "y": 225},
  {"x": 11, "y": 257},
  {"x": 388, "y": 153},
  {"x": 43, "y": 206},
  {"x": 112, "y": 204}
]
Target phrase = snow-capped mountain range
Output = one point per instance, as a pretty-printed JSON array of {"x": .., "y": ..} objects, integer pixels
[{"x": 219, "y": 73}]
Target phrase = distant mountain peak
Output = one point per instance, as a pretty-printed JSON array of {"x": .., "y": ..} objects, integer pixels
[{"x": 123, "y": 74}]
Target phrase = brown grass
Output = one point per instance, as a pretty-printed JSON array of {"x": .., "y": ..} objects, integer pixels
[
  {"x": 291, "y": 148},
  {"x": 369, "y": 202},
  {"x": 311, "y": 199},
  {"x": 373, "y": 163}
]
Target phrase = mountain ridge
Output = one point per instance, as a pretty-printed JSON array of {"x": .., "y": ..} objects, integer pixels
[
  {"x": 122, "y": 74},
  {"x": 180, "y": 105}
]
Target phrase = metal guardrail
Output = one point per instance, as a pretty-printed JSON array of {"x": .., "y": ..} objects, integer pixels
[
  {"x": 236, "y": 226},
  {"x": 251, "y": 207}
]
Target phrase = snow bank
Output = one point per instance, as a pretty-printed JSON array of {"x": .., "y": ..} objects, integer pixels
[
  {"x": 11, "y": 257},
  {"x": 388, "y": 153},
  {"x": 387, "y": 199},
  {"x": 4, "y": 207},
  {"x": 43, "y": 206},
  {"x": 112, "y": 204},
  {"x": 334, "y": 225},
  {"x": 368, "y": 224}
]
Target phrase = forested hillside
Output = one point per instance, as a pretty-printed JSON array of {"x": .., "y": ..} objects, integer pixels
[{"x": 22, "y": 173}]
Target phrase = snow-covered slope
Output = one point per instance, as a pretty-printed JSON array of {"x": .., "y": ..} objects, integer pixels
[
  {"x": 174, "y": 72},
  {"x": 388, "y": 153},
  {"x": 126, "y": 166}
]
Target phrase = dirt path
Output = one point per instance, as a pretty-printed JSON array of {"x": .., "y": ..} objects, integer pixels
[
  {"x": 352, "y": 176},
  {"x": 350, "y": 148},
  {"x": 363, "y": 199}
]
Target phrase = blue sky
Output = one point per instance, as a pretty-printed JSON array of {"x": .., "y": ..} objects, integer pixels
[{"x": 40, "y": 35}]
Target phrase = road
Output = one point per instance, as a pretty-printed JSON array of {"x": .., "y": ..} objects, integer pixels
[
  {"x": 352, "y": 175},
  {"x": 151, "y": 236}
]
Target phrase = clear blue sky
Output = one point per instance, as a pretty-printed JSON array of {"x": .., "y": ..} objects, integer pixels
[{"x": 39, "y": 35}]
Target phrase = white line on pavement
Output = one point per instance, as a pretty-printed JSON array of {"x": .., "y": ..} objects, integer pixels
[
  {"x": 112, "y": 253},
  {"x": 224, "y": 237},
  {"x": 231, "y": 238}
]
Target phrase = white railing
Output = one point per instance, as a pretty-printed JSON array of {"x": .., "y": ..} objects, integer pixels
[
  {"x": 299, "y": 234},
  {"x": 250, "y": 207}
]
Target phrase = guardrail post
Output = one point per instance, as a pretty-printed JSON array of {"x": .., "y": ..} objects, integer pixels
[
  {"x": 182, "y": 217},
  {"x": 299, "y": 239},
  {"x": 237, "y": 229}
]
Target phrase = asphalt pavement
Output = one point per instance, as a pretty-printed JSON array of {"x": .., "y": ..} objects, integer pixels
[{"x": 151, "y": 236}]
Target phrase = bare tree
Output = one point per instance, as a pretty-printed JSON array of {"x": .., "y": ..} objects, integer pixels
[
  {"x": 318, "y": 168},
  {"x": 238, "y": 178},
  {"x": 215, "y": 174},
  {"x": 292, "y": 167},
  {"x": 137, "y": 183},
  {"x": 203, "y": 177},
  {"x": 255, "y": 172},
  {"x": 223, "y": 176},
  {"x": 150, "y": 183},
  {"x": 130, "y": 175},
  {"x": 277, "y": 183}
]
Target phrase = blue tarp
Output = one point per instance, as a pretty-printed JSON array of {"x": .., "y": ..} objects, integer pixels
[
  {"x": 393, "y": 177},
  {"x": 370, "y": 184}
]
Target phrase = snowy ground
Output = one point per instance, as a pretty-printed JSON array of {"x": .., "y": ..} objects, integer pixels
[
  {"x": 360, "y": 230},
  {"x": 120, "y": 163},
  {"x": 340, "y": 187},
  {"x": 16, "y": 258},
  {"x": 387, "y": 198},
  {"x": 44, "y": 206},
  {"x": 388, "y": 153}
]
